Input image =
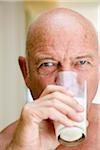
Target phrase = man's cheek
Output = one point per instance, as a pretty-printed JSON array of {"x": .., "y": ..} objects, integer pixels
[
  {"x": 37, "y": 86},
  {"x": 92, "y": 89}
]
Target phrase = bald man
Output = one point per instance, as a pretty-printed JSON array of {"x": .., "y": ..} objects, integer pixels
[{"x": 59, "y": 40}]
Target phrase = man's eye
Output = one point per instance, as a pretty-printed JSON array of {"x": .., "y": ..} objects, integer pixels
[
  {"x": 82, "y": 62},
  {"x": 47, "y": 68},
  {"x": 46, "y": 64}
]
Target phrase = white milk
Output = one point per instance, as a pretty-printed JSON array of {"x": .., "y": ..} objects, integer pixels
[{"x": 72, "y": 136}]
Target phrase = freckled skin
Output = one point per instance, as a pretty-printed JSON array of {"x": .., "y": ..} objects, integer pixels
[{"x": 63, "y": 35}]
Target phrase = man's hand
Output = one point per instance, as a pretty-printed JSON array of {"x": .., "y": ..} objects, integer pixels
[{"x": 55, "y": 104}]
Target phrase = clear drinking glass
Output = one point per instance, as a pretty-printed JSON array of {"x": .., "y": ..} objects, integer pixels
[{"x": 72, "y": 136}]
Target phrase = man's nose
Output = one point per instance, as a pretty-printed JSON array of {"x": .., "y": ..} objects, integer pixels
[
  {"x": 66, "y": 78},
  {"x": 63, "y": 70},
  {"x": 66, "y": 67}
]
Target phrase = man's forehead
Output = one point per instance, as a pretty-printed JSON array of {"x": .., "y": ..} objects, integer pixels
[
  {"x": 54, "y": 22},
  {"x": 59, "y": 16}
]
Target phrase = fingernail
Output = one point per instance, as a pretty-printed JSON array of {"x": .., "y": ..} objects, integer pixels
[
  {"x": 80, "y": 117},
  {"x": 80, "y": 108},
  {"x": 71, "y": 93},
  {"x": 69, "y": 124}
]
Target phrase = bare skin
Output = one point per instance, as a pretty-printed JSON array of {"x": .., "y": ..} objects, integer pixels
[{"x": 58, "y": 40}]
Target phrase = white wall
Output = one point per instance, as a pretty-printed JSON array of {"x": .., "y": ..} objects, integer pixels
[
  {"x": 89, "y": 9},
  {"x": 12, "y": 44},
  {"x": 12, "y": 38}
]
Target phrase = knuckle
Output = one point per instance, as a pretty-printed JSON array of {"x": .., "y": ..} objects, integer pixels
[
  {"x": 55, "y": 94},
  {"x": 48, "y": 87},
  {"x": 54, "y": 102},
  {"x": 26, "y": 109},
  {"x": 49, "y": 103},
  {"x": 51, "y": 113}
]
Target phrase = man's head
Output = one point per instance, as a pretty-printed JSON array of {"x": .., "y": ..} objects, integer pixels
[{"x": 58, "y": 40}]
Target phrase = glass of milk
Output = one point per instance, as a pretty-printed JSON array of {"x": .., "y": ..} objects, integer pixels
[{"x": 73, "y": 136}]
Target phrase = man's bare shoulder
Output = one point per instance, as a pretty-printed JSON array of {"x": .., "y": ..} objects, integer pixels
[{"x": 6, "y": 135}]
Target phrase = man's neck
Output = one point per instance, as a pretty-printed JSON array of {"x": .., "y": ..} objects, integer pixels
[{"x": 94, "y": 115}]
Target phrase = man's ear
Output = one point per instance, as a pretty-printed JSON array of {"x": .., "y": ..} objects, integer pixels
[
  {"x": 99, "y": 72},
  {"x": 99, "y": 62},
  {"x": 23, "y": 68}
]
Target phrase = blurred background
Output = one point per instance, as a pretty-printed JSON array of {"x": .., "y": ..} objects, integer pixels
[{"x": 15, "y": 17}]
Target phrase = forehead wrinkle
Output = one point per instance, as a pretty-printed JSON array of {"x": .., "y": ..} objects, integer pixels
[
  {"x": 54, "y": 20},
  {"x": 38, "y": 54}
]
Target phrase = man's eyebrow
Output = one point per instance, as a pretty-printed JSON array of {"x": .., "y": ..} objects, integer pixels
[
  {"x": 41, "y": 58},
  {"x": 85, "y": 56}
]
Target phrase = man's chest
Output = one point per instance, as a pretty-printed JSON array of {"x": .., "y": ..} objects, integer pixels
[
  {"x": 92, "y": 145},
  {"x": 92, "y": 142}
]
